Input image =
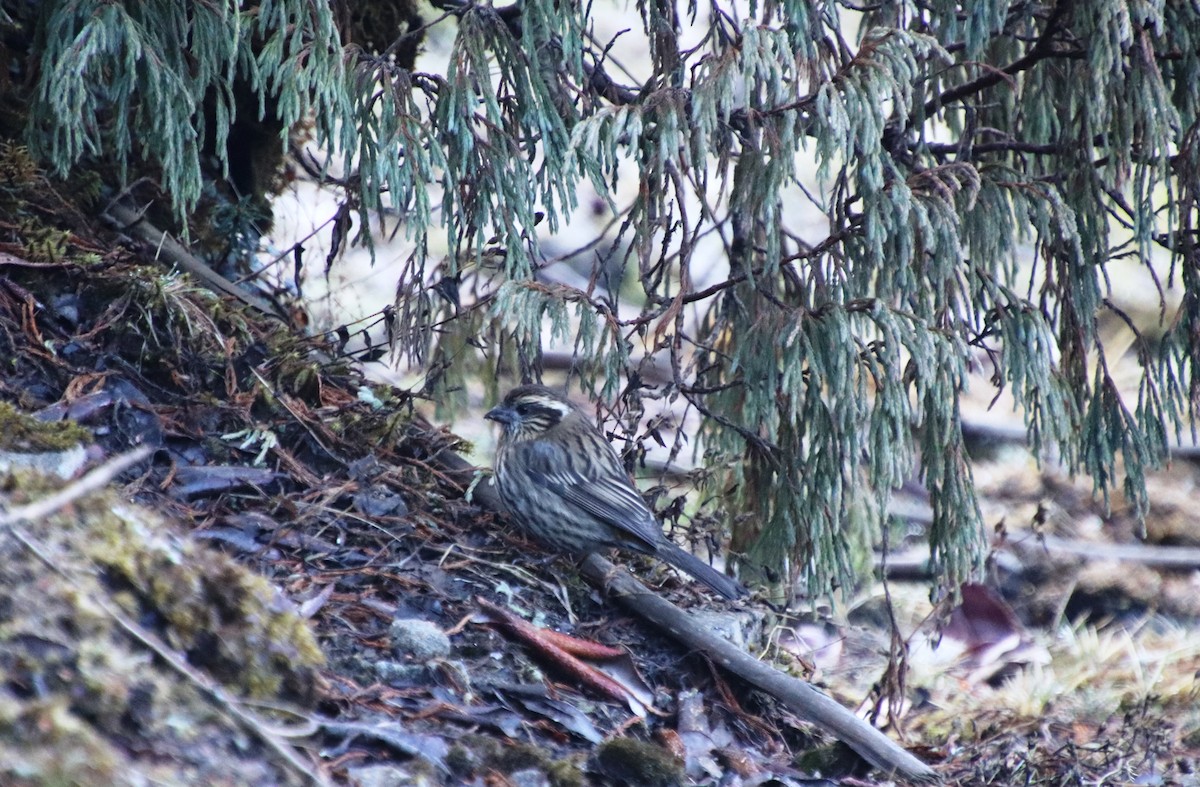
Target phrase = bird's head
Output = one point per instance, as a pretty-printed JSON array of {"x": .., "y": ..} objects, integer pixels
[{"x": 530, "y": 411}]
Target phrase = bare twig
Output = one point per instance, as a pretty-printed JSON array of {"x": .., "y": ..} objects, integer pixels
[
  {"x": 133, "y": 222},
  {"x": 1041, "y": 50},
  {"x": 813, "y": 705},
  {"x": 92, "y": 481}
]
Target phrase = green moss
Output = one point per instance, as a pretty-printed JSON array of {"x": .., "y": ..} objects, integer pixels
[
  {"x": 835, "y": 758},
  {"x": 42, "y": 243},
  {"x": 42, "y": 742},
  {"x": 515, "y": 757},
  {"x": 18, "y": 170},
  {"x": 519, "y": 757},
  {"x": 97, "y": 687},
  {"x": 222, "y": 616},
  {"x": 21, "y": 433},
  {"x": 565, "y": 773},
  {"x": 630, "y": 761}
]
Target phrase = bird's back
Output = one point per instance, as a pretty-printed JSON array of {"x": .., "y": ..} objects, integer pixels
[{"x": 569, "y": 489}]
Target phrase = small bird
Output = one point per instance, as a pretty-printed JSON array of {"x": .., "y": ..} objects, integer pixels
[{"x": 564, "y": 483}]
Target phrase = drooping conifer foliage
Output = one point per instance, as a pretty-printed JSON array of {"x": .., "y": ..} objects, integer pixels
[{"x": 981, "y": 167}]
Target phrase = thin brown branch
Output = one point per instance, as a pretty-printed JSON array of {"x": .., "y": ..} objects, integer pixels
[
  {"x": 804, "y": 699},
  {"x": 1042, "y": 50}
]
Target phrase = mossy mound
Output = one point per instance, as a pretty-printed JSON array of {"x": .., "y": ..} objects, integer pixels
[{"x": 83, "y": 701}]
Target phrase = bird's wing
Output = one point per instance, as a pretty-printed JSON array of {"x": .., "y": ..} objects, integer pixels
[{"x": 598, "y": 487}]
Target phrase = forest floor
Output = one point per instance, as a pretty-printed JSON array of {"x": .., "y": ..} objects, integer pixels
[{"x": 301, "y": 591}]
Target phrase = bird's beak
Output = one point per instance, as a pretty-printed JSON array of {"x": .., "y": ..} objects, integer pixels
[{"x": 501, "y": 415}]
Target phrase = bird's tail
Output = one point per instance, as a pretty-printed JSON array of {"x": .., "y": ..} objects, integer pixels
[{"x": 685, "y": 561}]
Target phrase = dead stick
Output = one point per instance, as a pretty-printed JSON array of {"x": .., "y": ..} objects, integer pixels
[
  {"x": 130, "y": 221},
  {"x": 811, "y": 704}
]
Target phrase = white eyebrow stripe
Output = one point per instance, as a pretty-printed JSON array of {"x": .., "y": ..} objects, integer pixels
[{"x": 550, "y": 404}]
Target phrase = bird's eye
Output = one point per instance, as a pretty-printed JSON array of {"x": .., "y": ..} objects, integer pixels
[{"x": 524, "y": 409}]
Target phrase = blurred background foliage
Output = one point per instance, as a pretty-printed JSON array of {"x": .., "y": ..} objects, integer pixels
[{"x": 980, "y": 169}]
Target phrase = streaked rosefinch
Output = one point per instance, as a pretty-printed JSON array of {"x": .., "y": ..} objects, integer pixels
[{"x": 563, "y": 482}]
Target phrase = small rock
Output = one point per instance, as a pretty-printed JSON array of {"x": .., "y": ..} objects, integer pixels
[
  {"x": 400, "y": 674},
  {"x": 62, "y": 464},
  {"x": 418, "y": 639},
  {"x": 375, "y": 501},
  {"x": 528, "y": 778}
]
